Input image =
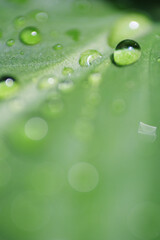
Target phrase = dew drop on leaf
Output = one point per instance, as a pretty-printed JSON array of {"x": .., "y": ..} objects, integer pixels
[
  {"x": 30, "y": 36},
  {"x": 10, "y": 42},
  {"x": 47, "y": 82},
  {"x": 129, "y": 26},
  {"x": 88, "y": 57},
  {"x": 58, "y": 46},
  {"x": 66, "y": 86},
  {"x": 67, "y": 71},
  {"x": 127, "y": 52},
  {"x": 8, "y": 86}
]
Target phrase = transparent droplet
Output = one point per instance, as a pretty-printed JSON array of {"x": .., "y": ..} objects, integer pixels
[
  {"x": 83, "y": 177},
  {"x": 129, "y": 26},
  {"x": 10, "y": 42},
  {"x": 74, "y": 34},
  {"x": 148, "y": 132},
  {"x": 158, "y": 60},
  {"x": 144, "y": 220},
  {"x": 58, "y": 46},
  {"x": 47, "y": 82},
  {"x": 67, "y": 71},
  {"x": 127, "y": 52},
  {"x": 66, "y": 86},
  {"x": 8, "y": 86},
  {"x": 20, "y": 22},
  {"x": 36, "y": 128},
  {"x": 41, "y": 16},
  {"x": 30, "y": 36},
  {"x": 88, "y": 57}
]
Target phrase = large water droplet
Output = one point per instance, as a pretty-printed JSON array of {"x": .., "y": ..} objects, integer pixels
[
  {"x": 130, "y": 26},
  {"x": 8, "y": 86},
  {"x": 58, "y": 46},
  {"x": 10, "y": 42},
  {"x": 88, "y": 57},
  {"x": 127, "y": 52},
  {"x": 30, "y": 36}
]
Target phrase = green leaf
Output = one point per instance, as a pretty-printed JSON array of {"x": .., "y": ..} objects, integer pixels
[{"x": 79, "y": 144}]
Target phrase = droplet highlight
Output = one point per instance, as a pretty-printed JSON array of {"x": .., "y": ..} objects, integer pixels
[{"x": 58, "y": 46}]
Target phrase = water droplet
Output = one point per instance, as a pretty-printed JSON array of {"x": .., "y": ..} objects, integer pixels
[
  {"x": 83, "y": 177},
  {"x": 88, "y": 57},
  {"x": 158, "y": 60},
  {"x": 20, "y": 22},
  {"x": 8, "y": 86},
  {"x": 10, "y": 42},
  {"x": 41, "y": 16},
  {"x": 58, "y": 47},
  {"x": 83, "y": 5},
  {"x": 118, "y": 106},
  {"x": 30, "y": 36},
  {"x": 144, "y": 220},
  {"x": 147, "y": 131},
  {"x": 21, "y": 52},
  {"x": 66, "y": 86},
  {"x": 74, "y": 34},
  {"x": 47, "y": 82},
  {"x": 67, "y": 71},
  {"x": 130, "y": 26},
  {"x": 36, "y": 128},
  {"x": 127, "y": 52},
  {"x": 30, "y": 212}
]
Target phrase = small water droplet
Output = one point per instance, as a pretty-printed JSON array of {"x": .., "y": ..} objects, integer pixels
[
  {"x": 147, "y": 131},
  {"x": 127, "y": 52},
  {"x": 83, "y": 177},
  {"x": 58, "y": 46},
  {"x": 129, "y": 26},
  {"x": 10, "y": 42},
  {"x": 158, "y": 60},
  {"x": 88, "y": 57},
  {"x": 21, "y": 52},
  {"x": 30, "y": 36},
  {"x": 67, "y": 71},
  {"x": 47, "y": 82},
  {"x": 8, "y": 86},
  {"x": 36, "y": 128},
  {"x": 74, "y": 34},
  {"x": 20, "y": 22},
  {"x": 41, "y": 16}
]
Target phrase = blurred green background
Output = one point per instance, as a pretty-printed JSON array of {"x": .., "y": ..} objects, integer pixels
[{"x": 79, "y": 146}]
